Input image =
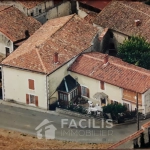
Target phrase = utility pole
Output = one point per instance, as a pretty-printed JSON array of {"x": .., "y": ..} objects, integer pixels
[{"x": 137, "y": 111}]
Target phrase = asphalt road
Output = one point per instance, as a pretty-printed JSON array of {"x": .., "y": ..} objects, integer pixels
[{"x": 26, "y": 121}]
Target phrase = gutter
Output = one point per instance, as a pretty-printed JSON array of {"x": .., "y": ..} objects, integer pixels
[
  {"x": 3, "y": 89},
  {"x": 47, "y": 90},
  {"x": 23, "y": 69}
]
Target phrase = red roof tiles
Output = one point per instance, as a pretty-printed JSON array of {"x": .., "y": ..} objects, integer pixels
[
  {"x": 68, "y": 36},
  {"x": 31, "y": 3},
  {"x": 115, "y": 72},
  {"x": 121, "y": 16},
  {"x": 131, "y": 137},
  {"x": 14, "y": 23}
]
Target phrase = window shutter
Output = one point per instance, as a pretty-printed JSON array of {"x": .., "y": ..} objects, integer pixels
[
  {"x": 31, "y": 84},
  {"x": 88, "y": 92},
  {"x": 112, "y": 102},
  {"x": 102, "y": 85},
  {"x": 79, "y": 90},
  {"x": 27, "y": 98},
  {"x": 36, "y": 100}
]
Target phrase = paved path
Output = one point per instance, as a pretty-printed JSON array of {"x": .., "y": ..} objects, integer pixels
[{"x": 26, "y": 119}]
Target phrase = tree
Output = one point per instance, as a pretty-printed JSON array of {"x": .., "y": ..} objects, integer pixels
[
  {"x": 114, "y": 109},
  {"x": 135, "y": 50}
]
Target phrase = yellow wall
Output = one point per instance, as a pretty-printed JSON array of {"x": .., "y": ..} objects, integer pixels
[
  {"x": 55, "y": 79},
  {"x": 113, "y": 92}
]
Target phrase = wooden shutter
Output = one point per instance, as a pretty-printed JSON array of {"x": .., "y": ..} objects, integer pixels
[
  {"x": 36, "y": 100},
  {"x": 88, "y": 92},
  {"x": 27, "y": 98},
  {"x": 102, "y": 85},
  {"x": 79, "y": 90},
  {"x": 31, "y": 84},
  {"x": 111, "y": 101}
]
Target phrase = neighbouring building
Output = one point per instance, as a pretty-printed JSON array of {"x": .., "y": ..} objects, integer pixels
[
  {"x": 15, "y": 28},
  {"x": 42, "y": 10},
  {"x": 40, "y": 64},
  {"x": 33, "y": 8},
  {"x": 106, "y": 79},
  {"x": 125, "y": 19}
]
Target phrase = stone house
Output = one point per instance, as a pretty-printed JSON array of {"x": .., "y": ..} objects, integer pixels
[
  {"x": 36, "y": 8},
  {"x": 15, "y": 28},
  {"x": 40, "y": 64},
  {"x": 42, "y": 10},
  {"x": 106, "y": 79},
  {"x": 122, "y": 24}
]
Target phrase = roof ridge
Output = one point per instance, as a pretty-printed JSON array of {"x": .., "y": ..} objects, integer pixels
[
  {"x": 134, "y": 69},
  {"x": 6, "y": 7},
  {"x": 123, "y": 66},
  {"x": 44, "y": 68},
  {"x": 134, "y": 9},
  {"x": 63, "y": 25}
]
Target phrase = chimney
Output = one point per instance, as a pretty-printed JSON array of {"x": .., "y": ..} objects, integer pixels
[
  {"x": 106, "y": 59},
  {"x": 137, "y": 22},
  {"x": 56, "y": 58}
]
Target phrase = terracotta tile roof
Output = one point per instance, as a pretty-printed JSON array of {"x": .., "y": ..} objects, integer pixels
[
  {"x": 14, "y": 23},
  {"x": 115, "y": 72},
  {"x": 121, "y": 16},
  {"x": 68, "y": 36},
  {"x": 31, "y": 3},
  {"x": 129, "y": 138},
  {"x": 90, "y": 15}
]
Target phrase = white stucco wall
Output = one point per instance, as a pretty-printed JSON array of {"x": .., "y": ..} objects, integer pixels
[
  {"x": 80, "y": 12},
  {"x": 113, "y": 92},
  {"x": 146, "y": 102},
  {"x": 5, "y": 42},
  {"x": 15, "y": 85}
]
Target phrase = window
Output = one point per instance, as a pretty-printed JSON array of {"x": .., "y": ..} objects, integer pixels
[
  {"x": 127, "y": 105},
  {"x": 115, "y": 102},
  {"x": 31, "y": 84},
  {"x": 84, "y": 91},
  {"x": 7, "y": 51},
  {"x": 40, "y": 11},
  {"x": 71, "y": 95},
  {"x": 103, "y": 101},
  {"x": 32, "y": 14},
  {"x": 74, "y": 93},
  {"x": 32, "y": 99},
  {"x": 102, "y": 85},
  {"x": 37, "y": 10},
  {"x": 63, "y": 96}
]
